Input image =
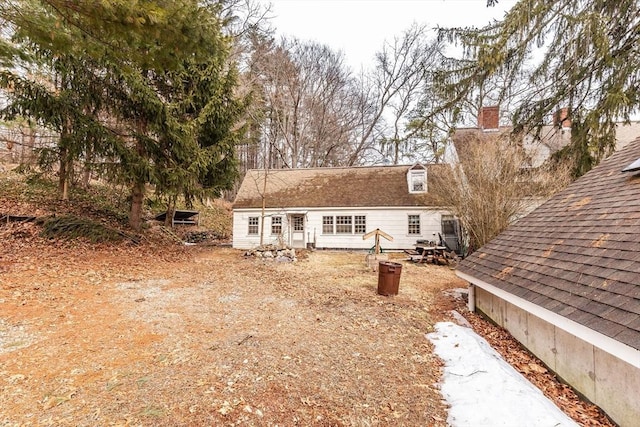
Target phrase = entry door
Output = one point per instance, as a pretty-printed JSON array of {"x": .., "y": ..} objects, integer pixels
[
  {"x": 297, "y": 231},
  {"x": 451, "y": 233}
]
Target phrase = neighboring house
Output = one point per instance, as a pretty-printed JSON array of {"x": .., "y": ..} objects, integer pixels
[
  {"x": 19, "y": 142},
  {"x": 565, "y": 282},
  {"x": 335, "y": 207},
  {"x": 553, "y": 136}
]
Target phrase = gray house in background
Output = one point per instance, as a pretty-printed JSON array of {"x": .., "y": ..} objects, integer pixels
[{"x": 565, "y": 282}]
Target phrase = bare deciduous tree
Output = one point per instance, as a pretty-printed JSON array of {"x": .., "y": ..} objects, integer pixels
[
  {"x": 310, "y": 111},
  {"x": 303, "y": 91},
  {"x": 401, "y": 78},
  {"x": 489, "y": 187}
]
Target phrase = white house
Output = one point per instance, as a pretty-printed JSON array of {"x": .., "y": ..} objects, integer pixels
[{"x": 334, "y": 207}]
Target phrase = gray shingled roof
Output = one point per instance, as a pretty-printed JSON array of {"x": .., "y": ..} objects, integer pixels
[
  {"x": 578, "y": 254},
  {"x": 332, "y": 187}
]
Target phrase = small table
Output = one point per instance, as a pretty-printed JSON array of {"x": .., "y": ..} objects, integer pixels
[{"x": 428, "y": 253}]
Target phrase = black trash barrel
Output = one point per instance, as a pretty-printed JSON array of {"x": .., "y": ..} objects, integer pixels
[{"x": 389, "y": 277}]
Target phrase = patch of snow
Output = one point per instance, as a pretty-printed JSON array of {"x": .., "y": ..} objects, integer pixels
[
  {"x": 459, "y": 318},
  {"x": 482, "y": 389}
]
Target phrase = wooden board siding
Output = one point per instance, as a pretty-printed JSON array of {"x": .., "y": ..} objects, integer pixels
[{"x": 604, "y": 379}]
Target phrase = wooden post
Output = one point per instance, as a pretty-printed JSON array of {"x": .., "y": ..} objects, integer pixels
[
  {"x": 372, "y": 259},
  {"x": 377, "y": 233}
]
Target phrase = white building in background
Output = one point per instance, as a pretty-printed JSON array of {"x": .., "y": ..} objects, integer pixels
[{"x": 332, "y": 208}]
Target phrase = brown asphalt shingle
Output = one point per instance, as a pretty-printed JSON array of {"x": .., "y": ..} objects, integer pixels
[
  {"x": 332, "y": 187},
  {"x": 578, "y": 254}
]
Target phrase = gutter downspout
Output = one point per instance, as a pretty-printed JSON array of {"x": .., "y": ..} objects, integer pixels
[
  {"x": 471, "y": 304},
  {"x": 471, "y": 291}
]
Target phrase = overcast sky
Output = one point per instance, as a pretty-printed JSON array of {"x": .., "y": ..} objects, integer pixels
[{"x": 360, "y": 27}]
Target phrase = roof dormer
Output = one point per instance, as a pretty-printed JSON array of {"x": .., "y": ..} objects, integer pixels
[{"x": 417, "y": 179}]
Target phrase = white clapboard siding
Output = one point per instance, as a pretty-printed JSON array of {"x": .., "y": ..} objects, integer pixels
[{"x": 393, "y": 221}]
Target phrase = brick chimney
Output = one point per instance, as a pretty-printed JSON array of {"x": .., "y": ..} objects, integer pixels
[
  {"x": 489, "y": 118},
  {"x": 561, "y": 118}
]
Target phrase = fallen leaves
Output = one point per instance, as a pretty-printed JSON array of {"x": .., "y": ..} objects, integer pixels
[
  {"x": 53, "y": 400},
  {"x": 197, "y": 335}
]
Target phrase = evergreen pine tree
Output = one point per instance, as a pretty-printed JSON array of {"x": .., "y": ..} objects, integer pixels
[
  {"x": 146, "y": 83},
  {"x": 590, "y": 64}
]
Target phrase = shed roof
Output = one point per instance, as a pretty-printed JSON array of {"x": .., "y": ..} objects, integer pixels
[
  {"x": 370, "y": 186},
  {"x": 578, "y": 254}
]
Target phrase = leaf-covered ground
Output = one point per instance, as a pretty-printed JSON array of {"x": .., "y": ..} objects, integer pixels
[
  {"x": 149, "y": 332},
  {"x": 201, "y": 336}
]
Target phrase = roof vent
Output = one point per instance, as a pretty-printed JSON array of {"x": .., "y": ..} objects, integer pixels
[{"x": 635, "y": 166}]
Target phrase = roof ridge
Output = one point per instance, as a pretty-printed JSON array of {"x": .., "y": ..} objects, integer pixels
[{"x": 344, "y": 167}]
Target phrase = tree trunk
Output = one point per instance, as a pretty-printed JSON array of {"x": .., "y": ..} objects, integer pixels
[
  {"x": 171, "y": 208},
  {"x": 138, "y": 189},
  {"x": 65, "y": 183},
  {"x": 65, "y": 162},
  {"x": 32, "y": 145},
  {"x": 137, "y": 198},
  {"x": 63, "y": 180},
  {"x": 264, "y": 205},
  {"x": 62, "y": 171},
  {"x": 396, "y": 150},
  {"x": 86, "y": 175}
]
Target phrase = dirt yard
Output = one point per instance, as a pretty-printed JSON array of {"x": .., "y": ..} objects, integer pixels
[
  {"x": 164, "y": 334},
  {"x": 202, "y": 336}
]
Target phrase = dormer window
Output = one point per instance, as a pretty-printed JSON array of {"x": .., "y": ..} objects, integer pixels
[
  {"x": 417, "y": 182},
  {"x": 417, "y": 179}
]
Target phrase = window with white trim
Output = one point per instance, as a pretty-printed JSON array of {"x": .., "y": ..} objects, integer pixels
[
  {"x": 414, "y": 224},
  {"x": 344, "y": 224},
  {"x": 417, "y": 181},
  {"x": 327, "y": 225},
  {"x": 276, "y": 225},
  {"x": 253, "y": 225},
  {"x": 298, "y": 223}
]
